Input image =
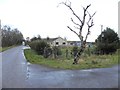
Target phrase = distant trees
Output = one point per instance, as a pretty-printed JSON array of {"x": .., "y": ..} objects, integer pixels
[
  {"x": 107, "y": 42},
  {"x": 33, "y": 39},
  {"x": 36, "y": 38},
  {"x": 11, "y": 36}
]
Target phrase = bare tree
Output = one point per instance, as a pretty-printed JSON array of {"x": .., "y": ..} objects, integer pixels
[{"x": 80, "y": 26}]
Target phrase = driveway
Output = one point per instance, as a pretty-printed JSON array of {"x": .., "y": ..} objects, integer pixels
[{"x": 17, "y": 73}]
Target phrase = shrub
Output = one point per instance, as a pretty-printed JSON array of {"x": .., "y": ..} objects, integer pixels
[
  {"x": 94, "y": 62},
  {"x": 107, "y": 42},
  {"x": 47, "y": 52},
  {"x": 74, "y": 51},
  {"x": 57, "y": 51},
  {"x": 39, "y": 46}
]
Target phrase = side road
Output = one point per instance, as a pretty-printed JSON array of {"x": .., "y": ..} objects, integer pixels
[{"x": 17, "y": 73}]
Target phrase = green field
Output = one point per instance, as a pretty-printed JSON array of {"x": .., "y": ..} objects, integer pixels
[{"x": 93, "y": 61}]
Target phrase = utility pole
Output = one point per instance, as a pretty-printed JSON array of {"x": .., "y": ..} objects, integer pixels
[
  {"x": 101, "y": 32},
  {"x": 0, "y": 35},
  {"x": 0, "y": 24},
  {"x": 0, "y": 57},
  {"x": 119, "y": 19},
  {"x": 101, "y": 35}
]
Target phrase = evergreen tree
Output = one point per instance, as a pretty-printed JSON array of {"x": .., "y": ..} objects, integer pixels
[{"x": 107, "y": 42}]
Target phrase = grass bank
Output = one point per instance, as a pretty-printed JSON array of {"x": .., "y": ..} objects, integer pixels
[
  {"x": 93, "y": 61},
  {"x": 5, "y": 48}
]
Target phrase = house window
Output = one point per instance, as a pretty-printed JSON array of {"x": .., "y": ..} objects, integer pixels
[
  {"x": 71, "y": 43},
  {"x": 64, "y": 43},
  {"x": 57, "y": 43}
]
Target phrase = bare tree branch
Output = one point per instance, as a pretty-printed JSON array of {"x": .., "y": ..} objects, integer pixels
[
  {"x": 90, "y": 20},
  {"x": 84, "y": 16},
  {"x": 69, "y": 6},
  {"x": 83, "y": 21},
  {"x": 89, "y": 24},
  {"x": 85, "y": 10},
  {"x": 87, "y": 7},
  {"x": 75, "y": 22},
  {"x": 76, "y": 27},
  {"x": 73, "y": 31},
  {"x": 90, "y": 16},
  {"x": 87, "y": 34}
]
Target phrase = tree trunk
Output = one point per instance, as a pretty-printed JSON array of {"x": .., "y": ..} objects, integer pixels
[{"x": 79, "y": 53}]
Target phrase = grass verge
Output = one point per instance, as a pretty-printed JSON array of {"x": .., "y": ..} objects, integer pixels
[
  {"x": 5, "y": 48},
  {"x": 93, "y": 61}
]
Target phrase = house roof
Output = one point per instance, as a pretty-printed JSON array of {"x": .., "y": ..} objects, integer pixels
[{"x": 51, "y": 39}]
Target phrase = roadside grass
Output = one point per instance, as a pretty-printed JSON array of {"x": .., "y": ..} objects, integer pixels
[
  {"x": 118, "y": 53},
  {"x": 0, "y": 49},
  {"x": 93, "y": 61},
  {"x": 6, "y": 48}
]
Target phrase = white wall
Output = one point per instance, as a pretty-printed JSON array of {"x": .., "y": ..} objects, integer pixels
[{"x": 60, "y": 41}]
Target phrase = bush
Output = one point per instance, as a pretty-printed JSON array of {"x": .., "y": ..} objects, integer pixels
[
  {"x": 57, "y": 51},
  {"x": 74, "y": 51},
  {"x": 107, "y": 42},
  {"x": 47, "y": 52},
  {"x": 39, "y": 46}
]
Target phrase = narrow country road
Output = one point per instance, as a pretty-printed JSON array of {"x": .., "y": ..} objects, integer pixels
[
  {"x": 17, "y": 73},
  {"x": 14, "y": 68}
]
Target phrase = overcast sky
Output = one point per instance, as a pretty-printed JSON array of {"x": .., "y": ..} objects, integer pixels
[{"x": 43, "y": 17}]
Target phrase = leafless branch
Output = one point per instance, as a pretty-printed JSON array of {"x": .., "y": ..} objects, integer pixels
[
  {"x": 86, "y": 7},
  {"x": 84, "y": 16},
  {"x": 69, "y": 6},
  {"x": 76, "y": 27},
  {"x": 89, "y": 24},
  {"x": 87, "y": 34},
  {"x": 83, "y": 21},
  {"x": 90, "y": 20},
  {"x": 90, "y": 16},
  {"x": 73, "y": 31},
  {"x": 75, "y": 22}
]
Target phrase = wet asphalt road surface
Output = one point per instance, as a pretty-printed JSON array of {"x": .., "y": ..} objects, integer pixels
[
  {"x": 17, "y": 73},
  {"x": 14, "y": 68}
]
